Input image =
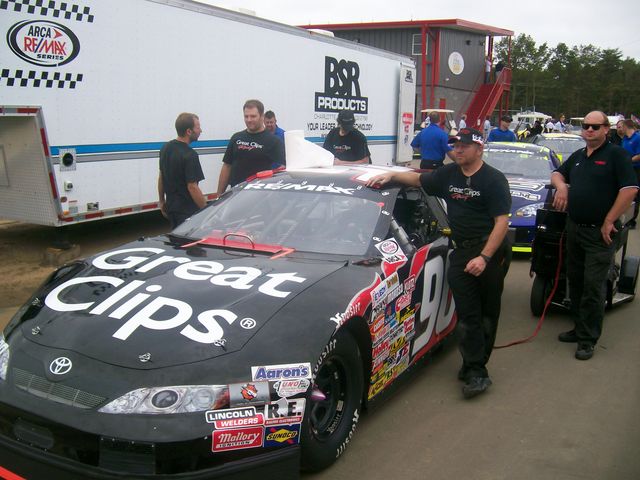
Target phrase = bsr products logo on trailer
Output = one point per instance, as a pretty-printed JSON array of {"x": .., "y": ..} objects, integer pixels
[
  {"x": 341, "y": 88},
  {"x": 43, "y": 43}
]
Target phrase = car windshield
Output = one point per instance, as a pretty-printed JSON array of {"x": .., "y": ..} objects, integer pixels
[
  {"x": 518, "y": 162},
  {"x": 306, "y": 221},
  {"x": 562, "y": 146}
]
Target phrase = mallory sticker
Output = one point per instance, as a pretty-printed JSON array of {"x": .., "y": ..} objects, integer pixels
[{"x": 240, "y": 438}]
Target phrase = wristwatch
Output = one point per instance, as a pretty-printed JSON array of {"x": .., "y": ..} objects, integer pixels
[{"x": 486, "y": 258}]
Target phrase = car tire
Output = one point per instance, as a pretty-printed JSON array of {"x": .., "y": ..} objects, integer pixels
[
  {"x": 329, "y": 424},
  {"x": 540, "y": 291}
]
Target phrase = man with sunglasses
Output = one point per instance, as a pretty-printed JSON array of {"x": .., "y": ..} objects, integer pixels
[{"x": 603, "y": 185}]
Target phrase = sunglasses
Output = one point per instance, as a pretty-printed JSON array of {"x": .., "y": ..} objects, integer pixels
[{"x": 594, "y": 126}]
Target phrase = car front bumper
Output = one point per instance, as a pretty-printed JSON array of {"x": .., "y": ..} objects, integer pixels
[{"x": 21, "y": 461}]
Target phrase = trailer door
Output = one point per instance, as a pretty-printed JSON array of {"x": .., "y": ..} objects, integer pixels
[
  {"x": 406, "y": 107},
  {"x": 25, "y": 185}
]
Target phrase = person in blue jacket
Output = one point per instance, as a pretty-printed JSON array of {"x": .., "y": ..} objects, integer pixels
[
  {"x": 432, "y": 144},
  {"x": 502, "y": 133}
]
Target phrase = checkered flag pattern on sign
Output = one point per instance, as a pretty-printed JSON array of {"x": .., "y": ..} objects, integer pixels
[
  {"x": 26, "y": 78},
  {"x": 52, "y": 8}
]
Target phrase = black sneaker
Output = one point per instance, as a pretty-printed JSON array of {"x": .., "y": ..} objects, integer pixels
[
  {"x": 475, "y": 386},
  {"x": 568, "y": 337},
  {"x": 584, "y": 351}
]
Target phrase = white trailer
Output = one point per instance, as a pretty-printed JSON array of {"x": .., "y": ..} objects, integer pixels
[{"x": 90, "y": 89}]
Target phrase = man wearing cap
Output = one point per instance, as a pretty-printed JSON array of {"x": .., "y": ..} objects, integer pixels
[
  {"x": 478, "y": 204},
  {"x": 603, "y": 186},
  {"x": 347, "y": 144},
  {"x": 432, "y": 144},
  {"x": 502, "y": 133}
]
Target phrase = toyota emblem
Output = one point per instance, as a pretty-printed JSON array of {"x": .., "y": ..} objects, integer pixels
[{"x": 60, "y": 366}]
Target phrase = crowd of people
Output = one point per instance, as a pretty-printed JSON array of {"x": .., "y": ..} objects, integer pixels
[{"x": 260, "y": 146}]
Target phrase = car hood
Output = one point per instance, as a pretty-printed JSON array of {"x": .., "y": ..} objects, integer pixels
[
  {"x": 183, "y": 304},
  {"x": 526, "y": 191}
]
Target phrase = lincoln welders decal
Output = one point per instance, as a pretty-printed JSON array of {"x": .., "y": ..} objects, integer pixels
[
  {"x": 43, "y": 43},
  {"x": 341, "y": 88}
]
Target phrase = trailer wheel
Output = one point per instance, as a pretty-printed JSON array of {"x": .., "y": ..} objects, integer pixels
[
  {"x": 629, "y": 275},
  {"x": 540, "y": 291},
  {"x": 330, "y": 423}
]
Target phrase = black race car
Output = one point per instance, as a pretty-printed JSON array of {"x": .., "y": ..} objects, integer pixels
[{"x": 249, "y": 339}]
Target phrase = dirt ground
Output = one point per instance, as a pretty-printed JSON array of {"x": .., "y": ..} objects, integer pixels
[{"x": 23, "y": 249}]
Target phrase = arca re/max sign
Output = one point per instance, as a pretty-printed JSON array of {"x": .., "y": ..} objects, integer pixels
[{"x": 43, "y": 43}]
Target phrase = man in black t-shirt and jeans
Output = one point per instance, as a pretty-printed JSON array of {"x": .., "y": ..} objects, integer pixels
[
  {"x": 347, "y": 144},
  {"x": 603, "y": 186},
  {"x": 250, "y": 151},
  {"x": 179, "y": 195},
  {"x": 478, "y": 204}
]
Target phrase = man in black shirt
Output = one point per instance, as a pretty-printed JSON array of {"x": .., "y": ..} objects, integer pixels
[
  {"x": 347, "y": 144},
  {"x": 478, "y": 204},
  {"x": 603, "y": 186},
  {"x": 250, "y": 151},
  {"x": 180, "y": 171}
]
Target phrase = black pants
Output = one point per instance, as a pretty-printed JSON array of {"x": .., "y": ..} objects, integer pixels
[
  {"x": 430, "y": 164},
  {"x": 478, "y": 305},
  {"x": 177, "y": 218},
  {"x": 588, "y": 262}
]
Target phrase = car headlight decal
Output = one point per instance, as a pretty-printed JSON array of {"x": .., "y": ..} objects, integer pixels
[
  {"x": 4, "y": 358},
  {"x": 171, "y": 399},
  {"x": 529, "y": 210}
]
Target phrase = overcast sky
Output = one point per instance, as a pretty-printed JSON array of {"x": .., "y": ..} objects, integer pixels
[{"x": 574, "y": 22}]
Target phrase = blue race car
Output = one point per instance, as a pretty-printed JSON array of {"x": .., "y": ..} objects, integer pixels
[{"x": 528, "y": 169}]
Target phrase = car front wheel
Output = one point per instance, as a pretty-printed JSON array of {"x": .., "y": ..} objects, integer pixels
[{"x": 334, "y": 408}]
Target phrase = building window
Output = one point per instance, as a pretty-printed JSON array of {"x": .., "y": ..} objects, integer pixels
[{"x": 416, "y": 44}]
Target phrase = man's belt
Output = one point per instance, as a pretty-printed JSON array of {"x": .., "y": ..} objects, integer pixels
[{"x": 468, "y": 243}]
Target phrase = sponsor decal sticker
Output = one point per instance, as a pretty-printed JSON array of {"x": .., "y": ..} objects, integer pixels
[
  {"x": 525, "y": 195},
  {"x": 284, "y": 412},
  {"x": 43, "y": 43},
  {"x": 278, "y": 372},
  {"x": 289, "y": 388},
  {"x": 126, "y": 296},
  {"x": 282, "y": 435},
  {"x": 299, "y": 187},
  {"x": 234, "y": 417},
  {"x": 250, "y": 392},
  {"x": 237, "y": 439}
]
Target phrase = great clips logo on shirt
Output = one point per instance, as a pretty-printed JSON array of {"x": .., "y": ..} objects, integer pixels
[
  {"x": 244, "y": 145},
  {"x": 458, "y": 193}
]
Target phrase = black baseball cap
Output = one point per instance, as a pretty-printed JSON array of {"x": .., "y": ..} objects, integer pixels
[
  {"x": 346, "y": 119},
  {"x": 506, "y": 118},
  {"x": 468, "y": 136}
]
